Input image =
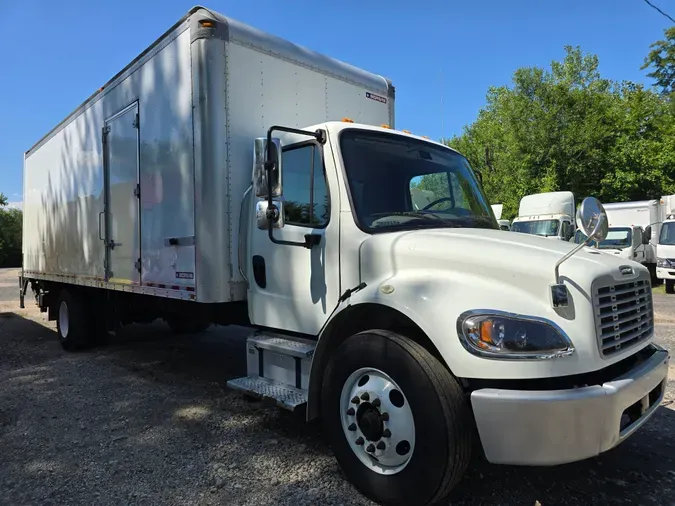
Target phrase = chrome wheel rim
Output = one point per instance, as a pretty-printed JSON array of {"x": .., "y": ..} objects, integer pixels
[
  {"x": 377, "y": 421},
  {"x": 64, "y": 320}
]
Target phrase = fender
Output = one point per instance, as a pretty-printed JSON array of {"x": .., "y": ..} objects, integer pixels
[{"x": 425, "y": 304}]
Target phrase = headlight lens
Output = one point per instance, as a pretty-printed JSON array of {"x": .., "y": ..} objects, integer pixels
[
  {"x": 510, "y": 336},
  {"x": 662, "y": 262}
]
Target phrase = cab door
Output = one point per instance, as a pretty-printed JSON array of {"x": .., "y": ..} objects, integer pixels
[
  {"x": 292, "y": 287},
  {"x": 639, "y": 249}
]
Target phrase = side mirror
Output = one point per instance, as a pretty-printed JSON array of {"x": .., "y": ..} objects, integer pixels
[
  {"x": 261, "y": 214},
  {"x": 647, "y": 235},
  {"x": 260, "y": 165},
  {"x": 592, "y": 219}
]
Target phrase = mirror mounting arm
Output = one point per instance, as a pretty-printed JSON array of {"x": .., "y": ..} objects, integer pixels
[{"x": 273, "y": 210}]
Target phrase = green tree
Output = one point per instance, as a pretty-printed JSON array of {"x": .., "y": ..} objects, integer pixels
[
  {"x": 11, "y": 221},
  {"x": 567, "y": 128},
  {"x": 3, "y": 200},
  {"x": 661, "y": 59}
]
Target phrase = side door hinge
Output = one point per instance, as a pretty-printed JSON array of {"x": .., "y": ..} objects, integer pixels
[
  {"x": 137, "y": 264},
  {"x": 137, "y": 191},
  {"x": 137, "y": 121}
]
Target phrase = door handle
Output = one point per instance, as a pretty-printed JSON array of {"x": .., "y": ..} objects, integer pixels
[{"x": 99, "y": 225}]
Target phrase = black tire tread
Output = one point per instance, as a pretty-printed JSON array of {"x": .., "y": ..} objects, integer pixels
[
  {"x": 454, "y": 410},
  {"x": 670, "y": 286},
  {"x": 79, "y": 321}
]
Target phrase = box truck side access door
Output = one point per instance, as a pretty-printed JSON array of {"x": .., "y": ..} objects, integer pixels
[
  {"x": 296, "y": 288},
  {"x": 121, "y": 187}
]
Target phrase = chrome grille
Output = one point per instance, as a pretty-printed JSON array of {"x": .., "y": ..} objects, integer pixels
[{"x": 624, "y": 315}]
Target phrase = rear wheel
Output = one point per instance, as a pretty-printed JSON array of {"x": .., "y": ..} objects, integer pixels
[
  {"x": 72, "y": 322},
  {"x": 397, "y": 420},
  {"x": 670, "y": 286}
]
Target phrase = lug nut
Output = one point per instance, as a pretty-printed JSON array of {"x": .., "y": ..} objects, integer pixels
[
  {"x": 384, "y": 417},
  {"x": 370, "y": 448},
  {"x": 381, "y": 445},
  {"x": 359, "y": 441},
  {"x": 352, "y": 427},
  {"x": 351, "y": 411},
  {"x": 365, "y": 396},
  {"x": 386, "y": 433},
  {"x": 356, "y": 400},
  {"x": 376, "y": 403}
]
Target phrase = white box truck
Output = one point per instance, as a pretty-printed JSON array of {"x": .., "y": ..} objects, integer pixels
[
  {"x": 213, "y": 181},
  {"x": 665, "y": 248},
  {"x": 633, "y": 231},
  {"x": 549, "y": 214}
]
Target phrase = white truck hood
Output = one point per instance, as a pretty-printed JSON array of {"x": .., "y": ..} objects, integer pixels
[
  {"x": 436, "y": 275},
  {"x": 525, "y": 260},
  {"x": 665, "y": 251}
]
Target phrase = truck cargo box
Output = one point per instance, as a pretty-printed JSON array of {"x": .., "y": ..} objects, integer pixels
[{"x": 139, "y": 189}]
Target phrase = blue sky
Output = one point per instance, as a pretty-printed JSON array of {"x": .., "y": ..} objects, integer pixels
[{"x": 442, "y": 55}]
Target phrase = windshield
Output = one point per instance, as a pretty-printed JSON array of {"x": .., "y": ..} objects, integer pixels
[
  {"x": 667, "y": 236},
  {"x": 538, "y": 227},
  {"x": 401, "y": 183},
  {"x": 617, "y": 238}
]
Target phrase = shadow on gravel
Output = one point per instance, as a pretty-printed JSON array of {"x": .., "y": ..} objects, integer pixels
[{"x": 147, "y": 420}]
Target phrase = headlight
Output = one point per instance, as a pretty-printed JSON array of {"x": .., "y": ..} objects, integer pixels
[
  {"x": 662, "y": 262},
  {"x": 495, "y": 334}
]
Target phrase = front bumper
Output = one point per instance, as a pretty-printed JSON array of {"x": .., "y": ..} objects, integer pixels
[
  {"x": 558, "y": 426},
  {"x": 665, "y": 273}
]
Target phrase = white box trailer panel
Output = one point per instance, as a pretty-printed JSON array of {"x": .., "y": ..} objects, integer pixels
[
  {"x": 642, "y": 213},
  {"x": 180, "y": 122}
]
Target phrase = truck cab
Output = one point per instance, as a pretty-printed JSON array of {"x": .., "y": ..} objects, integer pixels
[
  {"x": 549, "y": 215},
  {"x": 626, "y": 242},
  {"x": 665, "y": 253}
]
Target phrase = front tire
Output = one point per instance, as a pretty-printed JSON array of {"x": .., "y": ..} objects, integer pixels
[
  {"x": 670, "y": 286},
  {"x": 422, "y": 446}
]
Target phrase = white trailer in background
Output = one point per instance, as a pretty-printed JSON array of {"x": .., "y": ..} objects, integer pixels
[
  {"x": 550, "y": 214},
  {"x": 214, "y": 180}
]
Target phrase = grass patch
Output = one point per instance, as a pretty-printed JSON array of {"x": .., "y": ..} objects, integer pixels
[{"x": 660, "y": 289}]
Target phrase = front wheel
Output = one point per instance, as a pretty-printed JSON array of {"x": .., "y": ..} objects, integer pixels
[
  {"x": 670, "y": 286},
  {"x": 396, "y": 419}
]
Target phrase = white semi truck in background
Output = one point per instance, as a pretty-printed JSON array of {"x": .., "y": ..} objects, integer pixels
[
  {"x": 214, "y": 180},
  {"x": 549, "y": 214}
]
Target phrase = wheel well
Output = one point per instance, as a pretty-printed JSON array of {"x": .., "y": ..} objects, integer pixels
[{"x": 351, "y": 321}]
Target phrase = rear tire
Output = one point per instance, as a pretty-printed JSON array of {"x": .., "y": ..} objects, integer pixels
[
  {"x": 429, "y": 406},
  {"x": 670, "y": 286},
  {"x": 72, "y": 322}
]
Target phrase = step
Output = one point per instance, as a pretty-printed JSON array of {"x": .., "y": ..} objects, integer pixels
[
  {"x": 285, "y": 396},
  {"x": 293, "y": 346}
]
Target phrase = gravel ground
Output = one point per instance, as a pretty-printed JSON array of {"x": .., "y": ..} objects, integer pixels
[{"x": 148, "y": 420}]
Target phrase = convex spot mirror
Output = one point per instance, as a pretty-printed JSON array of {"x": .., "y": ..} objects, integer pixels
[
  {"x": 262, "y": 221},
  {"x": 592, "y": 219},
  {"x": 260, "y": 172}
]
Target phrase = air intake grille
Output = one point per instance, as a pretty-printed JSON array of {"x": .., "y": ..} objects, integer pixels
[{"x": 624, "y": 315}]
